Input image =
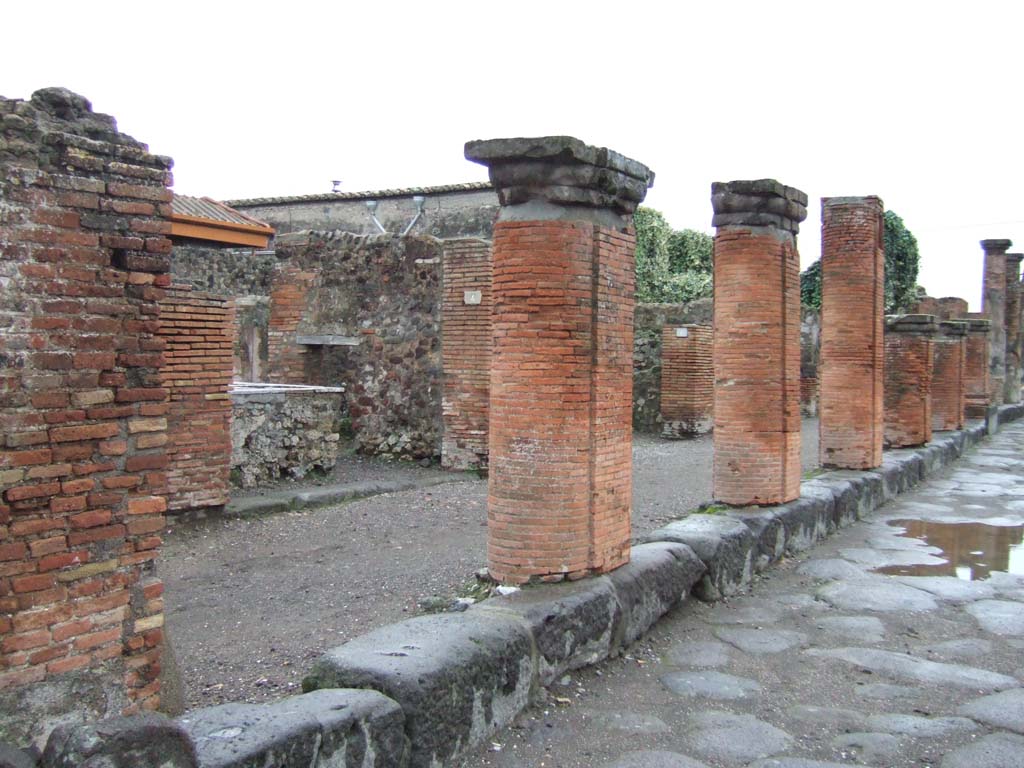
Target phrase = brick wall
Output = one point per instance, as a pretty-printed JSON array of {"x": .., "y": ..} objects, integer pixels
[
  {"x": 289, "y": 290},
  {"x": 948, "y": 376},
  {"x": 687, "y": 380},
  {"x": 852, "y": 353},
  {"x": 757, "y": 342},
  {"x": 976, "y": 361},
  {"x": 198, "y": 329},
  {"x": 82, "y": 467},
  {"x": 466, "y": 352},
  {"x": 909, "y": 361},
  {"x": 648, "y": 322}
]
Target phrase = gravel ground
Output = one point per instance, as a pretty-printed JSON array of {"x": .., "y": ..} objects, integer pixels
[{"x": 251, "y": 602}]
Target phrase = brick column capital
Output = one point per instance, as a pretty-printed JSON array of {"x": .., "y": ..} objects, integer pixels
[
  {"x": 979, "y": 325},
  {"x": 560, "y": 171},
  {"x": 760, "y": 203},
  {"x": 871, "y": 200},
  {"x": 995, "y": 247}
]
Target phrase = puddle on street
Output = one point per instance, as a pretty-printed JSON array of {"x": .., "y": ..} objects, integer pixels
[{"x": 971, "y": 550}]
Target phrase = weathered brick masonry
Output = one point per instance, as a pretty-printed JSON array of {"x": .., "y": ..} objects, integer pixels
[
  {"x": 1011, "y": 389},
  {"x": 852, "y": 346},
  {"x": 198, "y": 329},
  {"x": 561, "y": 403},
  {"x": 946, "y": 308},
  {"x": 687, "y": 380},
  {"x": 949, "y": 392},
  {"x": 466, "y": 352},
  {"x": 909, "y": 361},
  {"x": 289, "y": 293},
  {"x": 993, "y": 305},
  {"x": 757, "y": 341},
  {"x": 83, "y": 260},
  {"x": 976, "y": 362}
]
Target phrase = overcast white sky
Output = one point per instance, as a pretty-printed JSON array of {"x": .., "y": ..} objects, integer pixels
[{"x": 919, "y": 103}]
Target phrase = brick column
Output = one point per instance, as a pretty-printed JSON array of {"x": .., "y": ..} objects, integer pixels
[
  {"x": 757, "y": 341},
  {"x": 909, "y": 360},
  {"x": 948, "y": 375},
  {"x": 1011, "y": 389},
  {"x": 561, "y": 373},
  {"x": 687, "y": 380},
  {"x": 852, "y": 345},
  {"x": 993, "y": 304},
  {"x": 976, "y": 367}
]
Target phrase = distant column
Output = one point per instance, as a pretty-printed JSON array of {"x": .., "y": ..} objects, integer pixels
[
  {"x": 560, "y": 490},
  {"x": 1011, "y": 389},
  {"x": 909, "y": 359},
  {"x": 949, "y": 375},
  {"x": 976, "y": 367},
  {"x": 757, "y": 341},
  {"x": 993, "y": 304},
  {"x": 851, "y": 404}
]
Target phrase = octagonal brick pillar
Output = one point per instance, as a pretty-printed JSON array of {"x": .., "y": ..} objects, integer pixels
[
  {"x": 757, "y": 341},
  {"x": 560, "y": 481}
]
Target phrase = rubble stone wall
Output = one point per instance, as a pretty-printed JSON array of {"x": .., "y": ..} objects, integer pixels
[{"x": 284, "y": 435}]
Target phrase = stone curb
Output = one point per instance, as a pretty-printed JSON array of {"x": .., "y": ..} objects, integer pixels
[
  {"x": 283, "y": 501},
  {"x": 423, "y": 692}
]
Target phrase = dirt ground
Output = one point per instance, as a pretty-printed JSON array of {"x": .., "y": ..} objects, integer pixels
[{"x": 251, "y": 603}]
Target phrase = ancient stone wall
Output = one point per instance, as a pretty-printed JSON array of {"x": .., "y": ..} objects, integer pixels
[
  {"x": 284, "y": 435},
  {"x": 198, "y": 329},
  {"x": 466, "y": 352},
  {"x": 687, "y": 380},
  {"x": 230, "y": 272},
  {"x": 364, "y": 313},
  {"x": 648, "y": 322},
  {"x": 83, "y": 260},
  {"x": 946, "y": 308},
  {"x": 909, "y": 362}
]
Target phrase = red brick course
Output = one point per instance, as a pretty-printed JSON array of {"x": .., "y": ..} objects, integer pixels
[
  {"x": 949, "y": 392},
  {"x": 561, "y": 401},
  {"x": 852, "y": 346},
  {"x": 466, "y": 352},
  {"x": 286, "y": 360},
  {"x": 82, "y": 288},
  {"x": 757, "y": 342},
  {"x": 198, "y": 330},
  {"x": 687, "y": 380},
  {"x": 909, "y": 362}
]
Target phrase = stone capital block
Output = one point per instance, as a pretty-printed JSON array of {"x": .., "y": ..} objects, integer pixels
[
  {"x": 562, "y": 171},
  {"x": 759, "y": 203},
  {"x": 996, "y": 246}
]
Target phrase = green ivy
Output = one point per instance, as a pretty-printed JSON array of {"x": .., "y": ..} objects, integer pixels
[{"x": 671, "y": 266}]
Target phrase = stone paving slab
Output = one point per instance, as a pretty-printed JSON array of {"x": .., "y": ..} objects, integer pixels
[{"x": 901, "y": 671}]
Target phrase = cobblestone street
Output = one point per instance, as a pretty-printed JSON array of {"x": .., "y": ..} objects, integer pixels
[{"x": 828, "y": 661}]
